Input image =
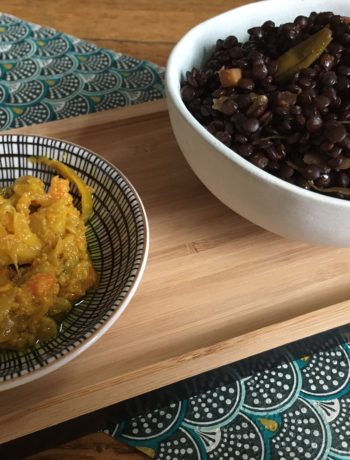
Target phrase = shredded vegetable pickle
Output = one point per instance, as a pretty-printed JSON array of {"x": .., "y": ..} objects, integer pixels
[
  {"x": 44, "y": 262},
  {"x": 68, "y": 173}
]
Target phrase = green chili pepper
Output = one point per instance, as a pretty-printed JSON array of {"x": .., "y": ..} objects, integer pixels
[{"x": 303, "y": 55}]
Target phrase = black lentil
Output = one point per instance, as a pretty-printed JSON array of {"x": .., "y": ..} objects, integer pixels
[
  {"x": 229, "y": 106},
  {"x": 326, "y": 61},
  {"x": 336, "y": 162},
  {"x": 224, "y": 137},
  {"x": 312, "y": 172},
  {"x": 240, "y": 138},
  {"x": 343, "y": 179},
  {"x": 303, "y": 183},
  {"x": 244, "y": 149},
  {"x": 329, "y": 78},
  {"x": 323, "y": 181},
  {"x": 314, "y": 123},
  {"x": 259, "y": 160},
  {"x": 345, "y": 142},
  {"x": 335, "y": 131},
  {"x": 322, "y": 102},
  {"x": 335, "y": 151},
  {"x": 285, "y": 172},
  {"x": 250, "y": 126},
  {"x": 246, "y": 84},
  {"x": 280, "y": 126}
]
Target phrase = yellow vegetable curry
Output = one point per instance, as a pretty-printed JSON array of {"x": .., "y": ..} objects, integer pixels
[{"x": 44, "y": 263}]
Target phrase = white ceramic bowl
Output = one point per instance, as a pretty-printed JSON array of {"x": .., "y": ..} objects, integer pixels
[{"x": 258, "y": 196}]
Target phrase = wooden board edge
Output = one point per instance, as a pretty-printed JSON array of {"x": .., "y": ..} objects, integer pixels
[
  {"x": 205, "y": 359},
  {"x": 247, "y": 345},
  {"x": 93, "y": 120},
  {"x": 166, "y": 372}
]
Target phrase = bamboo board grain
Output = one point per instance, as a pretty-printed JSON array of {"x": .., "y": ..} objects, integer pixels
[
  {"x": 216, "y": 288},
  {"x": 142, "y": 28}
]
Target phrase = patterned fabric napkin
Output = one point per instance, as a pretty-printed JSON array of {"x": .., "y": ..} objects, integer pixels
[
  {"x": 46, "y": 75},
  {"x": 298, "y": 409}
]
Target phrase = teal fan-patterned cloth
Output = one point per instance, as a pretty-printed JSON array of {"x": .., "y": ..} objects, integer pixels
[
  {"x": 46, "y": 75},
  {"x": 297, "y": 409}
]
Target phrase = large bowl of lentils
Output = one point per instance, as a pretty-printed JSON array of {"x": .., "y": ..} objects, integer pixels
[{"x": 259, "y": 102}]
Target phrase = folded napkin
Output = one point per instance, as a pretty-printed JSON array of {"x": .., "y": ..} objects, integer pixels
[{"x": 46, "y": 75}]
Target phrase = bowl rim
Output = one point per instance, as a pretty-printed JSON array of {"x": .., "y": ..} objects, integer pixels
[
  {"x": 59, "y": 362},
  {"x": 172, "y": 87}
]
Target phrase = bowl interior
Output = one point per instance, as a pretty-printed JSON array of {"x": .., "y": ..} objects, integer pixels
[{"x": 116, "y": 235}]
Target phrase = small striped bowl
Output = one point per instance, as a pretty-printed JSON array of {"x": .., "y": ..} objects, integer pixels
[{"x": 117, "y": 236}]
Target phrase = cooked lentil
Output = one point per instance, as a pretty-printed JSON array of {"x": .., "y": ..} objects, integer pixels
[{"x": 296, "y": 128}]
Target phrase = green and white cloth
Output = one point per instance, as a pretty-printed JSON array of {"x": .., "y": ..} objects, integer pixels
[
  {"x": 296, "y": 409},
  {"x": 46, "y": 75}
]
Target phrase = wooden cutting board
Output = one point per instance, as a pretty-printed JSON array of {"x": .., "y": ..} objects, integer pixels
[{"x": 216, "y": 288}]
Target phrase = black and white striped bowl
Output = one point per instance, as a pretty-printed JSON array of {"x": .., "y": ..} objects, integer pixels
[{"x": 117, "y": 236}]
